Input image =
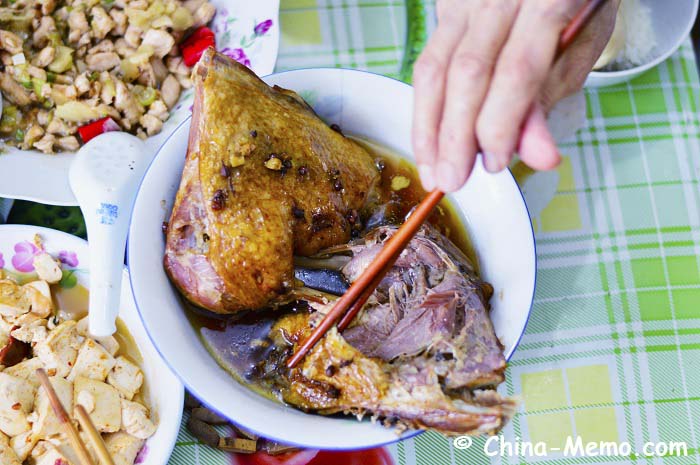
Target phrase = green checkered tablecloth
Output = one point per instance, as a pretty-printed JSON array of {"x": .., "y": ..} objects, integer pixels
[
  {"x": 612, "y": 350},
  {"x": 383, "y": 36}
]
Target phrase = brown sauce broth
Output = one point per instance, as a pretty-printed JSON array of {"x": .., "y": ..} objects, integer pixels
[{"x": 398, "y": 204}]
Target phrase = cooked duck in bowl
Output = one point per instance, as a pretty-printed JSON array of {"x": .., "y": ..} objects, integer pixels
[
  {"x": 422, "y": 354},
  {"x": 270, "y": 197}
]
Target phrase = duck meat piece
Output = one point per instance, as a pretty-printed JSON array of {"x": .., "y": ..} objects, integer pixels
[
  {"x": 438, "y": 306},
  {"x": 264, "y": 179},
  {"x": 421, "y": 354}
]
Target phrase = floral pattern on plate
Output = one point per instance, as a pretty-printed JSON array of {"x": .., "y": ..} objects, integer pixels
[
  {"x": 20, "y": 257},
  {"x": 234, "y": 39}
]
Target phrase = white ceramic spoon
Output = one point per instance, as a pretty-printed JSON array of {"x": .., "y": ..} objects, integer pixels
[{"x": 104, "y": 177}]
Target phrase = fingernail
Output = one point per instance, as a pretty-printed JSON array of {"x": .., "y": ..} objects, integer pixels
[
  {"x": 426, "y": 177},
  {"x": 492, "y": 163},
  {"x": 447, "y": 179}
]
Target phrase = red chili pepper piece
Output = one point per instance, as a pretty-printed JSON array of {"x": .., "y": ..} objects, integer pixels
[
  {"x": 94, "y": 129},
  {"x": 195, "y": 45},
  {"x": 14, "y": 351},
  {"x": 200, "y": 33}
]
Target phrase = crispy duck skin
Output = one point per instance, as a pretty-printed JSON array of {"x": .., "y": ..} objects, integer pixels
[
  {"x": 337, "y": 378},
  {"x": 264, "y": 179},
  {"x": 422, "y": 353}
]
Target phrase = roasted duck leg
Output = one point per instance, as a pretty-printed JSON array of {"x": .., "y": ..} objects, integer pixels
[{"x": 264, "y": 179}]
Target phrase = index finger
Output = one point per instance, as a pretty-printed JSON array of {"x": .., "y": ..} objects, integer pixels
[{"x": 429, "y": 81}]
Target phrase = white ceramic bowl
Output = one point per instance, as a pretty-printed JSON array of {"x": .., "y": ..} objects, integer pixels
[
  {"x": 165, "y": 389},
  {"x": 32, "y": 175},
  {"x": 672, "y": 22},
  {"x": 364, "y": 104}
]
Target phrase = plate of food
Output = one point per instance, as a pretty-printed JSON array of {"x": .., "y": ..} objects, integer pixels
[
  {"x": 132, "y": 397},
  {"x": 258, "y": 212},
  {"x": 70, "y": 74}
]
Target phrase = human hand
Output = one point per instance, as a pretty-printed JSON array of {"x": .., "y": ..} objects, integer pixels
[{"x": 485, "y": 82}]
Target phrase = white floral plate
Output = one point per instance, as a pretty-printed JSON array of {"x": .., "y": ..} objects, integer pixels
[
  {"x": 165, "y": 391},
  {"x": 246, "y": 30}
]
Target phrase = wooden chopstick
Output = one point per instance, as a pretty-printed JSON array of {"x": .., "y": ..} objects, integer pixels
[
  {"x": 358, "y": 293},
  {"x": 407, "y": 231},
  {"x": 577, "y": 24},
  {"x": 74, "y": 438},
  {"x": 372, "y": 275},
  {"x": 96, "y": 440}
]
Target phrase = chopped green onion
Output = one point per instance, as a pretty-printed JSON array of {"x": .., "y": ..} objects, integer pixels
[
  {"x": 9, "y": 110},
  {"x": 9, "y": 120},
  {"x": 37, "y": 84},
  {"x": 63, "y": 61},
  {"x": 50, "y": 77},
  {"x": 19, "y": 135},
  {"x": 145, "y": 95},
  {"x": 54, "y": 38}
]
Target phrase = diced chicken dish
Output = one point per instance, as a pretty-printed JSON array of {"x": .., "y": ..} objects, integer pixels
[
  {"x": 84, "y": 371},
  {"x": 72, "y": 69}
]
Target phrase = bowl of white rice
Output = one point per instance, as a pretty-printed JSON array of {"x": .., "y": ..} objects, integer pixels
[{"x": 646, "y": 33}]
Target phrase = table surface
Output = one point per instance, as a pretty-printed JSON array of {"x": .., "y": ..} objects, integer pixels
[{"x": 612, "y": 350}]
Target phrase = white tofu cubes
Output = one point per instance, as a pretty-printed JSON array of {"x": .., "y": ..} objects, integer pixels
[
  {"x": 93, "y": 362},
  {"x": 16, "y": 402},
  {"x": 126, "y": 377},
  {"x": 59, "y": 350},
  {"x": 105, "y": 405},
  {"x": 82, "y": 370}
]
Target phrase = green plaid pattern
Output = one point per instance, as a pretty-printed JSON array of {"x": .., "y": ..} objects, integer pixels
[
  {"x": 365, "y": 34},
  {"x": 612, "y": 351}
]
